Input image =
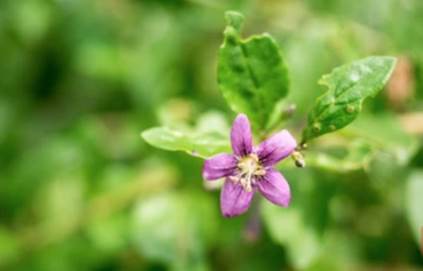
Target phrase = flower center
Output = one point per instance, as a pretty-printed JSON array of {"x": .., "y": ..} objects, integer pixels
[{"x": 249, "y": 168}]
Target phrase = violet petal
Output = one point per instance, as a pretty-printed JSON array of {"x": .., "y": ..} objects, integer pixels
[
  {"x": 234, "y": 200},
  {"x": 218, "y": 166},
  {"x": 241, "y": 137},
  {"x": 276, "y": 148},
  {"x": 275, "y": 188}
]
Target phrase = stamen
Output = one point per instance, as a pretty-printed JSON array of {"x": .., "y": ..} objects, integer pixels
[{"x": 249, "y": 168}]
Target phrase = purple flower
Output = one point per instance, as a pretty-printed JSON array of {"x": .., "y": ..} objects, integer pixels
[{"x": 250, "y": 169}]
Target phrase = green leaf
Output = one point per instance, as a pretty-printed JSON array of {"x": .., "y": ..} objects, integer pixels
[
  {"x": 348, "y": 86},
  {"x": 384, "y": 133},
  {"x": 371, "y": 138},
  {"x": 348, "y": 156},
  {"x": 414, "y": 203},
  {"x": 252, "y": 75},
  {"x": 196, "y": 143},
  {"x": 208, "y": 137}
]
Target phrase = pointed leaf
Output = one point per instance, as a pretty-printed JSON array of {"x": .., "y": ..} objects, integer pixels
[
  {"x": 252, "y": 75},
  {"x": 196, "y": 143},
  {"x": 348, "y": 86}
]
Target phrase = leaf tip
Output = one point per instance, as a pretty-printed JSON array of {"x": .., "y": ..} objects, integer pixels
[
  {"x": 393, "y": 62},
  {"x": 145, "y": 134},
  {"x": 234, "y": 19},
  {"x": 389, "y": 62}
]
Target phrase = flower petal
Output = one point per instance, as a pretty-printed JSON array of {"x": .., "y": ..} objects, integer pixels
[
  {"x": 218, "y": 166},
  {"x": 241, "y": 138},
  {"x": 275, "y": 188},
  {"x": 234, "y": 200},
  {"x": 276, "y": 148}
]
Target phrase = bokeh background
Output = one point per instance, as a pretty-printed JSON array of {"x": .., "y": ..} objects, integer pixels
[{"x": 80, "y": 190}]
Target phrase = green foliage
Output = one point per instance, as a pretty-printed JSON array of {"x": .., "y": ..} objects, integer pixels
[
  {"x": 384, "y": 133},
  {"x": 194, "y": 143},
  {"x": 349, "y": 156},
  {"x": 9, "y": 246},
  {"x": 175, "y": 228},
  {"x": 209, "y": 137},
  {"x": 414, "y": 203},
  {"x": 288, "y": 228},
  {"x": 368, "y": 138},
  {"x": 348, "y": 86},
  {"x": 80, "y": 190},
  {"x": 252, "y": 74}
]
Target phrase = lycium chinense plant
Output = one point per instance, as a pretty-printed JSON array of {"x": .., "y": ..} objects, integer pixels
[{"x": 253, "y": 79}]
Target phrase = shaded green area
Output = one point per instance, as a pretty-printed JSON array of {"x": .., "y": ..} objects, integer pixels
[{"x": 81, "y": 190}]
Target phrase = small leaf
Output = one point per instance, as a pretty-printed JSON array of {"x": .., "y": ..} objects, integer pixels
[
  {"x": 368, "y": 140},
  {"x": 385, "y": 133},
  {"x": 349, "y": 156},
  {"x": 252, "y": 75},
  {"x": 348, "y": 86},
  {"x": 202, "y": 144}
]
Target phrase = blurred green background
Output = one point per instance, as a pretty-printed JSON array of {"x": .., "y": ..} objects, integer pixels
[{"x": 80, "y": 190}]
